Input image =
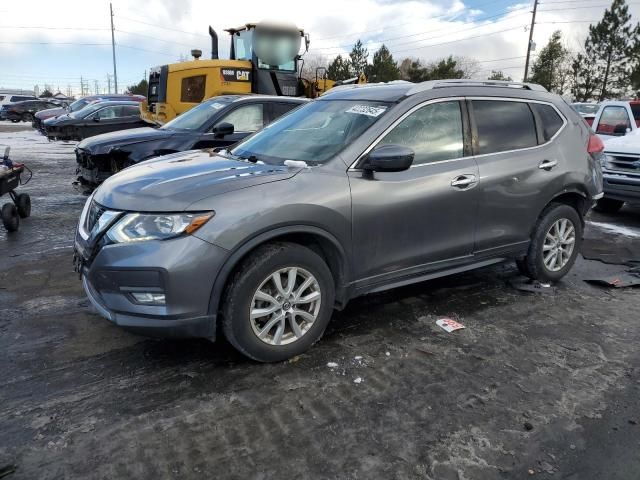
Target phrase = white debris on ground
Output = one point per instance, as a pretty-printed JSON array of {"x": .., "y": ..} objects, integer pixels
[
  {"x": 358, "y": 357},
  {"x": 357, "y": 380},
  {"x": 618, "y": 229},
  {"x": 332, "y": 365},
  {"x": 388, "y": 354},
  {"x": 449, "y": 325}
]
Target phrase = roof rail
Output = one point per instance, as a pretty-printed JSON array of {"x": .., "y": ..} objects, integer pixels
[{"x": 431, "y": 84}]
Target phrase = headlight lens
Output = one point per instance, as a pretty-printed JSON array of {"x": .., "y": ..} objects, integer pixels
[{"x": 138, "y": 227}]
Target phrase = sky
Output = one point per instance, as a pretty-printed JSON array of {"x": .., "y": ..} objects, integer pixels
[{"x": 59, "y": 43}]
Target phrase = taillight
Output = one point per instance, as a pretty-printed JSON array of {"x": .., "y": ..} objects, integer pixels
[{"x": 596, "y": 145}]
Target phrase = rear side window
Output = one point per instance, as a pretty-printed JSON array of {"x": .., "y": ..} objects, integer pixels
[
  {"x": 131, "y": 111},
  {"x": 551, "y": 121},
  {"x": 504, "y": 126},
  {"x": 192, "y": 90},
  {"x": 434, "y": 133},
  {"x": 279, "y": 109},
  {"x": 614, "y": 120}
]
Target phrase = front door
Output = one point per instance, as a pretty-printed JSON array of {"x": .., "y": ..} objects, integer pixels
[{"x": 412, "y": 221}]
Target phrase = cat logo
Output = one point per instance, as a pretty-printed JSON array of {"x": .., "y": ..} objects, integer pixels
[
  {"x": 242, "y": 75},
  {"x": 235, "y": 74}
]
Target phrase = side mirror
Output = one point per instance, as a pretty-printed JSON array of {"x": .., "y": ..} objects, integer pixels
[
  {"x": 96, "y": 118},
  {"x": 389, "y": 158},
  {"x": 620, "y": 129},
  {"x": 223, "y": 129}
]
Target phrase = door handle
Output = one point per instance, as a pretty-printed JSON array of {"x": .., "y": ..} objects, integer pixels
[
  {"x": 464, "y": 181},
  {"x": 547, "y": 164}
]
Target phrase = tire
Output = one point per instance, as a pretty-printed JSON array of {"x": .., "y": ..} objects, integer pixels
[
  {"x": 608, "y": 205},
  {"x": 535, "y": 259},
  {"x": 27, "y": 117},
  {"x": 10, "y": 217},
  {"x": 15, "y": 120},
  {"x": 256, "y": 274},
  {"x": 23, "y": 202}
]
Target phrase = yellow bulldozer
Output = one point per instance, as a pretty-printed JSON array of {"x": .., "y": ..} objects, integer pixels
[{"x": 264, "y": 59}]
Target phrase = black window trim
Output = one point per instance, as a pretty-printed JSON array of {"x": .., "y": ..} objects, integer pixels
[
  {"x": 354, "y": 167},
  {"x": 535, "y": 117}
]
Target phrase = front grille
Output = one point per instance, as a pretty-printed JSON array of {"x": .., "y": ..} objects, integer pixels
[{"x": 620, "y": 162}]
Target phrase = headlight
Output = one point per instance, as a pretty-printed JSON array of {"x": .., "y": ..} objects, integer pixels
[{"x": 137, "y": 227}]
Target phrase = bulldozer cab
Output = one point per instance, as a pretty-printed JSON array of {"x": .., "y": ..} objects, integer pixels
[
  {"x": 273, "y": 51},
  {"x": 263, "y": 59}
]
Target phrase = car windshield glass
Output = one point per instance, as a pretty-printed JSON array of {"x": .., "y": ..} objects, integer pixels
[
  {"x": 587, "y": 108},
  {"x": 78, "y": 105},
  {"x": 313, "y": 133},
  {"x": 88, "y": 110},
  {"x": 197, "y": 117}
]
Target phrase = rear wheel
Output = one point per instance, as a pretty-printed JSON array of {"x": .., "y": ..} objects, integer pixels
[
  {"x": 278, "y": 303},
  {"x": 27, "y": 117},
  {"x": 10, "y": 217},
  {"x": 555, "y": 244},
  {"x": 23, "y": 202},
  {"x": 608, "y": 205}
]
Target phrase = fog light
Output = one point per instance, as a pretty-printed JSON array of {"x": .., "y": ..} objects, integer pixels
[{"x": 149, "y": 298}]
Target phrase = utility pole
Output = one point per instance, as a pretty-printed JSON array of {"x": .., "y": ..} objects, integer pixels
[
  {"x": 533, "y": 22},
  {"x": 95, "y": 84},
  {"x": 113, "y": 49},
  {"x": 109, "y": 83},
  {"x": 81, "y": 87}
]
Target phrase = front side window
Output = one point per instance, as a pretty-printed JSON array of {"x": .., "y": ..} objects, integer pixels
[
  {"x": 433, "y": 132},
  {"x": 313, "y": 133},
  {"x": 635, "y": 109},
  {"x": 249, "y": 118},
  {"x": 192, "y": 90},
  {"x": 551, "y": 121},
  {"x": 504, "y": 125},
  {"x": 614, "y": 120},
  {"x": 243, "y": 45},
  {"x": 108, "y": 113}
]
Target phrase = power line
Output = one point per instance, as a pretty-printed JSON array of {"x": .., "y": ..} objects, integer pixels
[
  {"x": 582, "y": 7},
  {"x": 408, "y": 23},
  {"x": 58, "y": 43},
  {"x": 161, "y": 26},
  {"x": 149, "y": 51},
  {"x": 449, "y": 32},
  {"x": 154, "y": 38},
  {"x": 49, "y": 28}
]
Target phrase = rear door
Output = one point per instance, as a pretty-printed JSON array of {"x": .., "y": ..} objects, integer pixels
[
  {"x": 412, "y": 221},
  {"x": 520, "y": 167}
]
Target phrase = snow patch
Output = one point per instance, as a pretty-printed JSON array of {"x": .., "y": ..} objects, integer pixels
[{"x": 618, "y": 229}]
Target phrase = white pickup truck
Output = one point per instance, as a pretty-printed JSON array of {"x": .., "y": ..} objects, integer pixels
[{"x": 617, "y": 118}]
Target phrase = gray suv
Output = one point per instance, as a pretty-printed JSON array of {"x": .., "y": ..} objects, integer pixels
[{"x": 365, "y": 189}]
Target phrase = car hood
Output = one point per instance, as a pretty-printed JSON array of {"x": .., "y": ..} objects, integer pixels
[
  {"x": 66, "y": 118},
  {"x": 629, "y": 143},
  {"x": 50, "y": 112},
  {"x": 173, "y": 182},
  {"x": 101, "y": 144}
]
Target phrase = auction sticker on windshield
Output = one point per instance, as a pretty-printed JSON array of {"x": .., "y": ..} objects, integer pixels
[
  {"x": 217, "y": 106},
  {"x": 367, "y": 110}
]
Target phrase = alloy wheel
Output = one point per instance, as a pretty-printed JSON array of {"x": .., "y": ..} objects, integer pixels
[
  {"x": 285, "y": 306},
  {"x": 558, "y": 244}
]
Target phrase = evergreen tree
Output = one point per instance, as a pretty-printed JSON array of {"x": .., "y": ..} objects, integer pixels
[
  {"x": 584, "y": 78},
  {"x": 613, "y": 45},
  {"x": 359, "y": 57},
  {"x": 139, "y": 89},
  {"x": 339, "y": 69},
  {"x": 499, "y": 75},
  {"x": 46, "y": 94},
  {"x": 551, "y": 67},
  {"x": 383, "y": 68},
  {"x": 445, "y": 68}
]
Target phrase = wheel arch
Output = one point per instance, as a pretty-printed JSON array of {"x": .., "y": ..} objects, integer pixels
[{"x": 322, "y": 242}]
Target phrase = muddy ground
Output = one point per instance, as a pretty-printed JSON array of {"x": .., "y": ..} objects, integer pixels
[{"x": 536, "y": 386}]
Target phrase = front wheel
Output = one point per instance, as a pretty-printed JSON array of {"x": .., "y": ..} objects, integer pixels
[
  {"x": 10, "y": 217},
  {"x": 555, "y": 244},
  {"x": 278, "y": 303}
]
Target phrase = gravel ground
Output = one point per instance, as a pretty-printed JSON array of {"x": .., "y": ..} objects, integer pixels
[{"x": 537, "y": 385}]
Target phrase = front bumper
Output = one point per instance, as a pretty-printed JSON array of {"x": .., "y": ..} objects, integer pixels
[
  {"x": 621, "y": 186},
  {"x": 183, "y": 269}
]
